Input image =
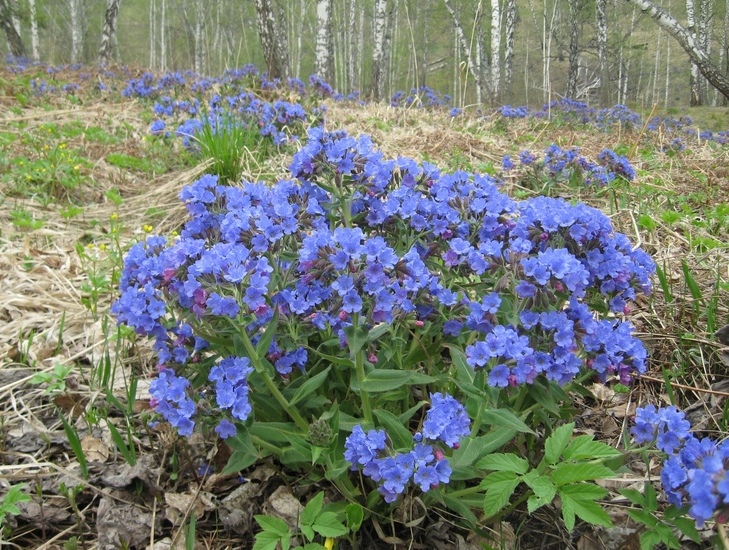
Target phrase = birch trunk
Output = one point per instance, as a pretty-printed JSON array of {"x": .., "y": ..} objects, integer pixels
[
  {"x": 378, "y": 50},
  {"x": 352, "y": 29},
  {"x": 686, "y": 40},
  {"x": 574, "y": 50},
  {"x": 509, "y": 49},
  {"x": 324, "y": 65},
  {"x": 199, "y": 34},
  {"x": 153, "y": 34},
  {"x": 34, "y": 39},
  {"x": 495, "y": 51},
  {"x": 602, "y": 35},
  {"x": 109, "y": 31},
  {"x": 273, "y": 40},
  {"x": 74, "y": 7},
  {"x": 163, "y": 35}
]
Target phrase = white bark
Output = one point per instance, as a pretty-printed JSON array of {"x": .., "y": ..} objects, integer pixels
[
  {"x": 473, "y": 68},
  {"x": 352, "y": 36},
  {"x": 34, "y": 39},
  {"x": 509, "y": 48},
  {"x": 495, "y": 50},
  {"x": 324, "y": 40},
  {"x": 378, "y": 49},
  {"x": 199, "y": 34},
  {"x": 75, "y": 11},
  {"x": 163, "y": 35},
  {"x": 108, "y": 33},
  {"x": 602, "y": 35},
  {"x": 153, "y": 34}
]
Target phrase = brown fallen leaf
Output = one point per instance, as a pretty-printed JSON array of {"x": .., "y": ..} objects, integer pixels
[
  {"x": 181, "y": 505},
  {"x": 94, "y": 449}
]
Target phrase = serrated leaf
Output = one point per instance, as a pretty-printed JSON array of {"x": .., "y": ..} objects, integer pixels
[
  {"x": 649, "y": 540},
  {"x": 642, "y": 516},
  {"x": 583, "y": 491},
  {"x": 585, "y": 447},
  {"x": 557, "y": 442},
  {"x": 586, "y": 509},
  {"x": 570, "y": 473},
  {"x": 328, "y": 525},
  {"x": 687, "y": 527},
  {"x": 311, "y": 510},
  {"x": 266, "y": 540},
  {"x": 503, "y": 462},
  {"x": 543, "y": 488},
  {"x": 272, "y": 524},
  {"x": 633, "y": 495},
  {"x": 499, "y": 488}
]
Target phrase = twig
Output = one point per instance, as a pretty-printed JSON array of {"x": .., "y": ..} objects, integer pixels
[{"x": 684, "y": 387}]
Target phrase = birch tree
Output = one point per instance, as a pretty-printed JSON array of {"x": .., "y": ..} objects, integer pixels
[
  {"x": 273, "y": 39},
  {"x": 574, "y": 49},
  {"x": 200, "y": 53},
  {"x": 76, "y": 11},
  {"x": 377, "y": 82},
  {"x": 495, "y": 50},
  {"x": 15, "y": 43},
  {"x": 108, "y": 33},
  {"x": 602, "y": 53},
  {"x": 34, "y": 39},
  {"x": 474, "y": 66},
  {"x": 324, "y": 54},
  {"x": 686, "y": 40},
  {"x": 509, "y": 46}
]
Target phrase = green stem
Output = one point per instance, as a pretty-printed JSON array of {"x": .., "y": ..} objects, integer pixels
[
  {"x": 277, "y": 395},
  {"x": 263, "y": 444},
  {"x": 364, "y": 396}
]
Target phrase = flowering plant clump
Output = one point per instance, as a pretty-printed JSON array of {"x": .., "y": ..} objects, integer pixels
[
  {"x": 568, "y": 166},
  {"x": 312, "y": 318},
  {"x": 695, "y": 470}
]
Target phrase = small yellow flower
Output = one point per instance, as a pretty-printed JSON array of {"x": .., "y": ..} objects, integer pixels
[
  {"x": 21, "y": 163},
  {"x": 46, "y": 147},
  {"x": 147, "y": 228},
  {"x": 62, "y": 146},
  {"x": 90, "y": 246},
  {"x": 102, "y": 246},
  {"x": 77, "y": 167},
  {"x": 329, "y": 544},
  {"x": 114, "y": 216}
]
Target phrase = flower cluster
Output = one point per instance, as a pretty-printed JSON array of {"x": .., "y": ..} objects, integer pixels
[
  {"x": 695, "y": 471},
  {"x": 423, "y": 96},
  {"x": 425, "y": 464}
]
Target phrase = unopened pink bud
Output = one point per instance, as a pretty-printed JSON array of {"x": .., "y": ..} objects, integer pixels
[
  {"x": 372, "y": 358},
  {"x": 419, "y": 324}
]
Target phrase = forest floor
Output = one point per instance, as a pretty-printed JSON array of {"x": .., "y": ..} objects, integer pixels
[{"x": 81, "y": 178}]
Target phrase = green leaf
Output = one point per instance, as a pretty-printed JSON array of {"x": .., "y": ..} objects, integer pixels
[
  {"x": 266, "y": 540},
  {"x": 313, "y": 546},
  {"x": 399, "y": 434},
  {"x": 380, "y": 380},
  {"x": 377, "y": 331},
  {"x": 356, "y": 339},
  {"x": 499, "y": 488},
  {"x": 311, "y": 510},
  {"x": 643, "y": 516},
  {"x": 557, "y": 442},
  {"x": 473, "y": 448},
  {"x": 505, "y": 419},
  {"x": 579, "y": 499},
  {"x": 328, "y": 525},
  {"x": 11, "y": 498},
  {"x": 275, "y": 432},
  {"x": 503, "y": 462},
  {"x": 543, "y": 489},
  {"x": 687, "y": 527},
  {"x": 634, "y": 496},
  {"x": 265, "y": 342},
  {"x": 585, "y": 447},
  {"x": 272, "y": 524},
  {"x": 649, "y": 540},
  {"x": 311, "y": 385},
  {"x": 355, "y": 516},
  {"x": 569, "y": 473}
]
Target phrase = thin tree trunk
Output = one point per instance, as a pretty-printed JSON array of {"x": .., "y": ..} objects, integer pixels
[
  {"x": 200, "y": 50},
  {"x": 153, "y": 34},
  {"x": 378, "y": 50},
  {"x": 722, "y": 45},
  {"x": 74, "y": 7},
  {"x": 495, "y": 50},
  {"x": 15, "y": 43},
  {"x": 694, "y": 78},
  {"x": 163, "y": 35},
  {"x": 352, "y": 34},
  {"x": 509, "y": 50},
  {"x": 109, "y": 31},
  {"x": 34, "y": 39},
  {"x": 602, "y": 36},
  {"x": 685, "y": 39},
  {"x": 574, "y": 50},
  {"x": 324, "y": 55}
]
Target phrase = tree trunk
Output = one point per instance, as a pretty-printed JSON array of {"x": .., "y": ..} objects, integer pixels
[
  {"x": 495, "y": 51},
  {"x": 509, "y": 49},
  {"x": 378, "y": 50},
  {"x": 163, "y": 35},
  {"x": 602, "y": 36},
  {"x": 153, "y": 34},
  {"x": 15, "y": 43},
  {"x": 109, "y": 31},
  {"x": 324, "y": 58},
  {"x": 574, "y": 50},
  {"x": 351, "y": 44},
  {"x": 698, "y": 56},
  {"x": 199, "y": 33},
  {"x": 34, "y": 39},
  {"x": 273, "y": 40},
  {"x": 74, "y": 7}
]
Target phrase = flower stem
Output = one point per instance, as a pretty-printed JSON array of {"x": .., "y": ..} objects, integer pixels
[
  {"x": 278, "y": 396},
  {"x": 364, "y": 396}
]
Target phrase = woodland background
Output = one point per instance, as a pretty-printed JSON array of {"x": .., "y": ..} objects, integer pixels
[{"x": 490, "y": 52}]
